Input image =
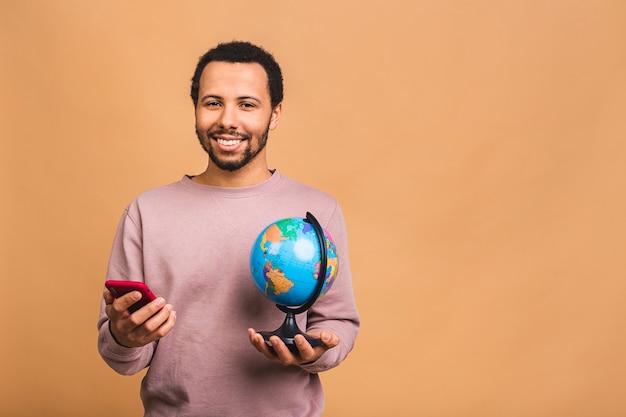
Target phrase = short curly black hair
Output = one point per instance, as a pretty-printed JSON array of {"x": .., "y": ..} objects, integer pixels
[{"x": 245, "y": 52}]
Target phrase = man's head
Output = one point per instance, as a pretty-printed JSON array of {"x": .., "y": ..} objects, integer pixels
[
  {"x": 237, "y": 92},
  {"x": 242, "y": 52}
]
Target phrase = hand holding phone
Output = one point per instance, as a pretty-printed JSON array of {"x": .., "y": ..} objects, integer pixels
[
  {"x": 120, "y": 287},
  {"x": 148, "y": 326}
]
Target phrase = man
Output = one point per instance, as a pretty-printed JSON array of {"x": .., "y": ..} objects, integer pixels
[{"x": 190, "y": 242}]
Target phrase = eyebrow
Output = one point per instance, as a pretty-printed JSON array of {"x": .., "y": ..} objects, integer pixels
[{"x": 215, "y": 96}]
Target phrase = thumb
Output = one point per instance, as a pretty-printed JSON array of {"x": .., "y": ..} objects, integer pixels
[{"x": 329, "y": 340}]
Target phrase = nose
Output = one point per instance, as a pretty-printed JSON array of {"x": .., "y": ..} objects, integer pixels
[{"x": 228, "y": 117}]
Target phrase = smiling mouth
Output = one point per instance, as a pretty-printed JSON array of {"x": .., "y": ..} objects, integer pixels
[
  {"x": 227, "y": 138},
  {"x": 228, "y": 142}
]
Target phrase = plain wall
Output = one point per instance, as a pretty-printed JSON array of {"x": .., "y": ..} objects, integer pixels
[{"x": 476, "y": 147}]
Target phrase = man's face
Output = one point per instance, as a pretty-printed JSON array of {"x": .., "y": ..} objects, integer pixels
[{"x": 234, "y": 114}]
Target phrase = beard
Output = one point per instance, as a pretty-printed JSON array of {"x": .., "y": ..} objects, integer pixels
[{"x": 232, "y": 164}]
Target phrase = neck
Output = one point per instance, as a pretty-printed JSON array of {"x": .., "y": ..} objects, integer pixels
[{"x": 243, "y": 177}]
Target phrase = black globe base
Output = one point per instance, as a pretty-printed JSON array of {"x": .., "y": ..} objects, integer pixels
[{"x": 287, "y": 332}]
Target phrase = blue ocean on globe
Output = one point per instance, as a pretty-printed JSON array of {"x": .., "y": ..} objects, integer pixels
[{"x": 285, "y": 260}]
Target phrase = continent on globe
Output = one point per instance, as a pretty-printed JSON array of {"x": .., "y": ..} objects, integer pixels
[
  {"x": 273, "y": 234},
  {"x": 277, "y": 283}
]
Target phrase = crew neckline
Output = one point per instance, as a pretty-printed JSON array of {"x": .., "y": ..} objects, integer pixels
[{"x": 235, "y": 192}]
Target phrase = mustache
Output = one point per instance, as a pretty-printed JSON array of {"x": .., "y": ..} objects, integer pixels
[{"x": 240, "y": 135}]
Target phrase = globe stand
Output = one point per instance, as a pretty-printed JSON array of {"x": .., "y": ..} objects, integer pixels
[
  {"x": 287, "y": 332},
  {"x": 289, "y": 329}
]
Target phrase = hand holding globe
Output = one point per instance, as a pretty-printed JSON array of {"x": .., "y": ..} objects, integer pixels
[{"x": 293, "y": 262}]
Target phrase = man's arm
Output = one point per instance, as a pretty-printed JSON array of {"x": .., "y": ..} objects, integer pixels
[{"x": 127, "y": 341}]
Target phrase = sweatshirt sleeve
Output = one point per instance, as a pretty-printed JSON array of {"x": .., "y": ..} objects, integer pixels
[
  {"x": 126, "y": 262},
  {"x": 336, "y": 310}
]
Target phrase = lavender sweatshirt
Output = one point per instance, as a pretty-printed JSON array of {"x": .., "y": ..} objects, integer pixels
[{"x": 191, "y": 244}]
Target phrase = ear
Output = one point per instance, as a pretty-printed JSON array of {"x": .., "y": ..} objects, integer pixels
[{"x": 276, "y": 113}]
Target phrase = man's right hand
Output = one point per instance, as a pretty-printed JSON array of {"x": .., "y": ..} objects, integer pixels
[{"x": 149, "y": 323}]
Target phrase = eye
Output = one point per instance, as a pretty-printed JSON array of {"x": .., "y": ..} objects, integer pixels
[
  {"x": 212, "y": 103},
  {"x": 247, "y": 105}
]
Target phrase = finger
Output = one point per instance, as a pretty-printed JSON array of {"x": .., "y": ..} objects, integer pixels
[
  {"x": 122, "y": 303},
  {"x": 164, "y": 327},
  {"x": 157, "y": 320},
  {"x": 285, "y": 356},
  {"x": 255, "y": 339},
  {"x": 140, "y": 323},
  {"x": 114, "y": 313},
  {"x": 149, "y": 310},
  {"x": 329, "y": 340},
  {"x": 259, "y": 343},
  {"x": 307, "y": 352},
  {"x": 108, "y": 297},
  {"x": 153, "y": 329}
]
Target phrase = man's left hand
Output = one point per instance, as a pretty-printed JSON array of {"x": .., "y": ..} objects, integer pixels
[{"x": 279, "y": 352}]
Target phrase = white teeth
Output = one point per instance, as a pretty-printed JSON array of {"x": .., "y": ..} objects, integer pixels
[{"x": 228, "y": 142}]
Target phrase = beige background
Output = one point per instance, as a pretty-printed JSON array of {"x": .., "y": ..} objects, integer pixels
[{"x": 477, "y": 148}]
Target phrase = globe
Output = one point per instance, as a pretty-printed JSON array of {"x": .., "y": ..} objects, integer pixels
[{"x": 285, "y": 261}]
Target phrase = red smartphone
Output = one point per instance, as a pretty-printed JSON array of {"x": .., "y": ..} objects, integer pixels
[{"x": 119, "y": 288}]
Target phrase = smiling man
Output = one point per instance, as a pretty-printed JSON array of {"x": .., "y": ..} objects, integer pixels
[
  {"x": 234, "y": 115},
  {"x": 190, "y": 242}
]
